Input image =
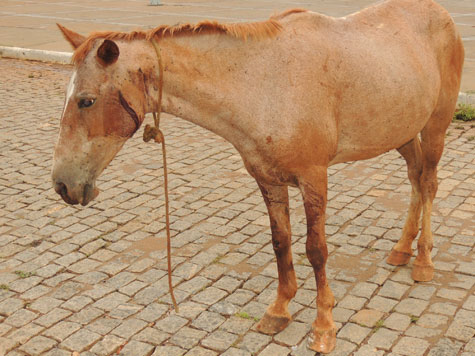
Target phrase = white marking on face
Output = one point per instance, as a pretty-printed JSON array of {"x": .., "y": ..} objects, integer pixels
[{"x": 69, "y": 91}]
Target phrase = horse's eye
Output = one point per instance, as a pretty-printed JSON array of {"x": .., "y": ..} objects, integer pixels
[{"x": 85, "y": 103}]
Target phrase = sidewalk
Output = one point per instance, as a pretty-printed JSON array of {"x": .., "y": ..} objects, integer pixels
[
  {"x": 31, "y": 24},
  {"x": 93, "y": 279}
]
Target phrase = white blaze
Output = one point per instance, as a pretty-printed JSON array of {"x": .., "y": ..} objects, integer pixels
[{"x": 69, "y": 91}]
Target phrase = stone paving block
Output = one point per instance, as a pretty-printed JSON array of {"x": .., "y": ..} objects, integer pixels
[
  {"x": 364, "y": 289},
  {"x": 57, "y": 352},
  {"x": 224, "y": 308},
  {"x": 384, "y": 305},
  {"x": 129, "y": 327},
  {"x": 383, "y": 338},
  {"x": 152, "y": 312},
  {"x": 107, "y": 345},
  {"x": 409, "y": 346},
  {"x": 236, "y": 352},
  {"x": 187, "y": 337},
  {"x": 411, "y": 306},
  {"x": 171, "y": 323},
  {"x": 103, "y": 325},
  {"x": 466, "y": 268},
  {"x": 292, "y": 334},
  {"x": 22, "y": 285},
  {"x": 125, "y": 310},
  {"x": 353, "y": 333},
  {"x": 111, "y": 301},
  {"x": 209, "y": 296},
  {"x": 422, "y": 292},
  {"x": 10, "y": 306},
  {"x": 460, "y": 332},
  {"x": 367, "y": 317},
  {"x": 191, "y": 310},
  {"x": 445, "y": 347},
  {"x": 466, "y": 317},
  {"x": 421, "y": 332},
  {"x": 168, "y": 350},
  {"x": 80, "y": 340},
  {"x": 21, "y": 317},
  {"x": 443, "y": 308},
  {"x": 136, "y": 348},
  {"x": 253, "y": 342},
  {"x": 470, "y": 346},
  {"x": 255, "y": 310},
  {"x": 86, "y": 315},
  {"x": 240, "y": 297},
  {"x": 62, "y": 330},
  {"x": 4, "y": 328},
  {"x": 208, "y": 321},
  {"x": 352, "y": 302},
  {"x": 396, "y": 321},
  {"x": 53, "y": 317},
  {"x": 219, "y": 340},
  {"x": 35, "y": 292},
  {"x": 195, "y": 284},
  {"x": 76, "y": 303},
  {"x": 25, "y": 333},
  {"x": 38, "y": 345},
  {"x": 274, "y": 350},
  {"x": 429, "y": 320},
  {"x": 393, "y": 290},
  {"x": 470, "y": 303},
  {"x": 368, "y": 350},
  {"x": 67, "y": 290},
  {"x": 151, "y": 336},
  {"x": 238, "y": 324}
]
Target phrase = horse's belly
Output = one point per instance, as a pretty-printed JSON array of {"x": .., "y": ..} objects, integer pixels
[{"x": 367, "y": 136}]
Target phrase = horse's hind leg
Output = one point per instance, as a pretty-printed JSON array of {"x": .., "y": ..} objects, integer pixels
[
  {"x": 432, "y": 144},
  {"x": 277, "y": 316},
  {"x": 402, "y": 251}
]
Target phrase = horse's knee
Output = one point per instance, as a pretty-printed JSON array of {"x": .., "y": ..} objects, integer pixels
[
  {"x": 317, "y": 255},
  {"x": 281, "y": 244}
]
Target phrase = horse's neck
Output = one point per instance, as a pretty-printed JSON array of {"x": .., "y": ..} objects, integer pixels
[{"x": 199, "y": 81}]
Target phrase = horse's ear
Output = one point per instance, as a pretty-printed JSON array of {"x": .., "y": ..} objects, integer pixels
[
  {"x": 75, "y": 39},
  {"x": 107, "y": 53}
]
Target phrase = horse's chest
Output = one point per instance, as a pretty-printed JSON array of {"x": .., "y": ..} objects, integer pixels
[{"x": 268, "y": 171}]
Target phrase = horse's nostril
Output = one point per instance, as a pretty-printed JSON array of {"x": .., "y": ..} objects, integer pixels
[{"x": 61, "y": 189}]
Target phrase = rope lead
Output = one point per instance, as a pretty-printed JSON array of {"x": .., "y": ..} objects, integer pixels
[{"x": 154, "y": 132}]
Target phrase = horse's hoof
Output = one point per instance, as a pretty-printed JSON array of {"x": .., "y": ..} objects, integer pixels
[
  {"x": 398, "y": 258},
  {"x": 422, "y": 273},
  {"x": 272, "y": 324},
  {"x": 322, "y": 341}
]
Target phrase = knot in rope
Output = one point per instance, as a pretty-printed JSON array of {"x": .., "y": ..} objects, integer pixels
[{"x": 152, "y": 132}]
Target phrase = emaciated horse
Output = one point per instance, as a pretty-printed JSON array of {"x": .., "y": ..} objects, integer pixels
[{"x": 294, "y": 95}]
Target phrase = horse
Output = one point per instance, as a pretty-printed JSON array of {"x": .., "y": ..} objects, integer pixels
[{"x": 294, "y": 95}]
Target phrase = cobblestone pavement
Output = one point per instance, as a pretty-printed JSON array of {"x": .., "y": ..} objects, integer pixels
[
  {"x": 92, "y": 281},
  {"x": 32, "y": 23}
]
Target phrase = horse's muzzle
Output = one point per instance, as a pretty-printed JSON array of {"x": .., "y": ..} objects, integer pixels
[{"x": 80, "y": 195}]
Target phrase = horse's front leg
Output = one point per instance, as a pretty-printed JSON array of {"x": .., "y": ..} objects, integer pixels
[
  {"x": 314, "y": 191},
  {"x": 277, "y": 316}
]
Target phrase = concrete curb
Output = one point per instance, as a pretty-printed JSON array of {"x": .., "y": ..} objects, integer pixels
[
  {"x": 36, "y": 55},
  {"x": 65, "y": 58},
  {"x": 466, "y": 98}
]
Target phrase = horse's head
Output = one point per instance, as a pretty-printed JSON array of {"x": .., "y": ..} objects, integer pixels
[{"x": 105, "y": 104}]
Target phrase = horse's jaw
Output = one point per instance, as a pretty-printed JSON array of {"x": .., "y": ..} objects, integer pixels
[{"x": 75, "y": 171}]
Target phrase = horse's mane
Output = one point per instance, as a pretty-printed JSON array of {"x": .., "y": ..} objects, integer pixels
[{"x": 255, "y": 30}]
